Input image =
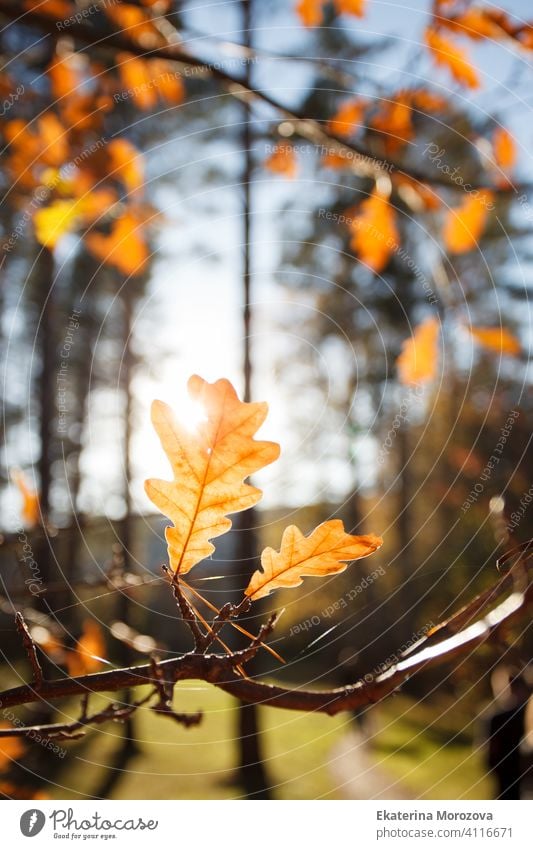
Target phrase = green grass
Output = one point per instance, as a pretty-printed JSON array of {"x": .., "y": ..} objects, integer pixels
[
  {"x": 427, "y": 747},
  {"x": 198, "y": 763},
  {"x": 430, "y": 750}
]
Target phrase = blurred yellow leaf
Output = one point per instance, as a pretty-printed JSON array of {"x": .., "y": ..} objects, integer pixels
[
  {"x": 497, "y": 339},
  {"x": 465, "y": 224},
  {"x": 417, "y": 362},
  {"x": 374, "y": 232},
  {"x": 326, "y": 551},
  {"x": 209, "y": 467},
  {"x": 54, "y": 221}
]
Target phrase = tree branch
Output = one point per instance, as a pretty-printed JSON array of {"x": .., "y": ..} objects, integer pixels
[
  {"x": 367, "y": 164},
  {"x": 473, "y": 629}
]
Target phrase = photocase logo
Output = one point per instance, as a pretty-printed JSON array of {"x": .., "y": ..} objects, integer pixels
[{"x": 32, "y": 822}]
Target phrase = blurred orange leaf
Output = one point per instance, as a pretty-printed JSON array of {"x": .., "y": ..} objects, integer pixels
[
  {"x": 350, "y": 7},
  {"x": 497, "y": 339},
  {"x": 126, "y": 163},
  {"x": 446, "y": 53},
  {"x": 310, "y": 12},
  {"x": 283, "y": 161},
  {"x": 417, "y": 362},
  {"x": 326, "y": 551},
  {"x": 465, "y": 224},
  {"x": 63, "y": 75},
  {"x": 209, "y": 467},
  {"x": 348, "y": 117},
  {"x": 30, "y": 499},
  {"x": 124, "y": 248},
  {"x": 89, "y": 652},
  {"x": 11, "y": 748},
  {"x": 504, "y": 148},
  {"x": 374, "y": 232}
]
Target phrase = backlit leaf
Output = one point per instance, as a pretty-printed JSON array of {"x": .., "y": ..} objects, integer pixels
[
  {"x": 350, "y": 7},
  {"x": 326, "y": 551},
  {"x": 417, "y": 362},
  {"x": 209, "y": 467}
]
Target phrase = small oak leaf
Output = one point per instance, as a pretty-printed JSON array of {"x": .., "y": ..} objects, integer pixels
[{"x": 326, "y": 551}]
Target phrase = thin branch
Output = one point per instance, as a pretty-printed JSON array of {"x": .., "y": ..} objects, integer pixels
[
  {"x": 218, "y": 670},
  {"x": 31, "y": 649}
]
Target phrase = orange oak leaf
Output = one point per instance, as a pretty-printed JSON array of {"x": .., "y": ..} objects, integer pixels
[
  {"x": 497, "y": 339},
  {"x": 348, "y": 117},
  {"x": 89, "y": 652},
  {"x": 209, "y": 468},
  {"x": 283, "y": 161},
  {"x": 374, "y": 232},
  {"x": 465, "y": 224},
  {"x": 446, "y": 53},
  {"x": 326, "y": 551},
  {"x": 417, "y": 362}
]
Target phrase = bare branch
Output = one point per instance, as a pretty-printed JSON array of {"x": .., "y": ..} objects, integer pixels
[
  {"x": 219, "y": 670},
  {"x": 31, "y": 649}
]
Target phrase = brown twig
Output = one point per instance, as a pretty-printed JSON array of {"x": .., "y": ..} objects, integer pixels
[{"x": 31, "y": 649}]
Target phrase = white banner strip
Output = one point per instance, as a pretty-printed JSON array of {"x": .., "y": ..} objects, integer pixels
[{"x": 229, "y": 825}]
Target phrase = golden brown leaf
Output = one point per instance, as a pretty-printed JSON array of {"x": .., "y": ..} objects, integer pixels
[
  {"x": 497, "y": 339},
  {"x": 209, "y": 468},
  {"x": 446, "y": 53},
  {"x": 465, "y": 224},
  {"x": 326, "y": 551},
  {"x": 89, "y": 652},
  {"x": 375, "y": 235},
  {"x": 418, "y": 361}
]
